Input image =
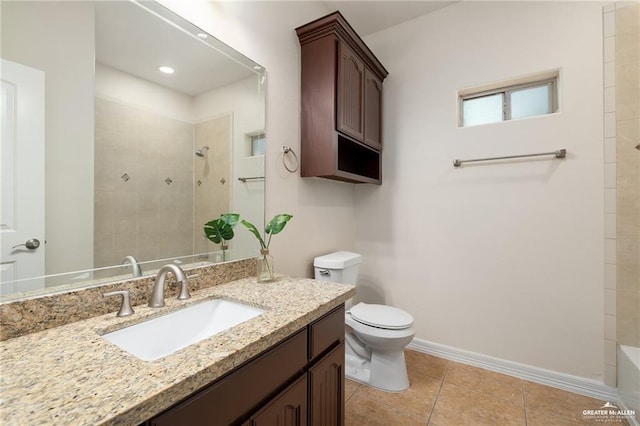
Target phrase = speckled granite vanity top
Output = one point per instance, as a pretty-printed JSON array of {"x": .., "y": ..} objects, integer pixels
[{"x": 69, "y": 375}]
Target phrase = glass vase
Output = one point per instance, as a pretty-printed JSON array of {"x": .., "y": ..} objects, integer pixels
[
  {"x": 221, "y": 255},
  {"x": 265, "y": 267}
]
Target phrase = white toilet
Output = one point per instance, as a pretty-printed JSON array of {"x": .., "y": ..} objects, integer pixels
[{"x": 375, "y": 335}]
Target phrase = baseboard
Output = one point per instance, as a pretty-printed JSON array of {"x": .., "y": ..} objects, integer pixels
[{"x": 542, "y": 376}]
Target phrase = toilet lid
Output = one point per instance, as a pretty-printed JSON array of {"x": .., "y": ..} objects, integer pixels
[{"x": 381, "y": 316}]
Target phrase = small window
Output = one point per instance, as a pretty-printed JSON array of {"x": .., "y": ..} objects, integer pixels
[
  {"x": 509, "y": 102},
  {"x": 258, "y": 144}
]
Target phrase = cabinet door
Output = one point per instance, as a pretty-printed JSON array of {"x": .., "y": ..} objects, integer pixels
[
  {"x": 326, "y": 390},
  {"x": 350, "y": 96},
  {"x": 372, "y": 110},
  {"x": 289, "y": 408},
  {"x": 242, "y": 391}
]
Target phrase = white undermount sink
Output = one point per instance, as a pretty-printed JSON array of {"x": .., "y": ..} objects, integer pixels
[{"x": 162, "y": 336}]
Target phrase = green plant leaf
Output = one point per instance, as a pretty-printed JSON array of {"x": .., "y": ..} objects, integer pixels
[
  {"x": 254, "y": 231},
  {"x": 277, "y": 224},
  {"x": 230, "y": 218},
  {"x": 218, "y": 230}
]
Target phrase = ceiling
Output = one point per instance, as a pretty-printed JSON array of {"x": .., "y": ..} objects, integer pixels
[
  {"x": 150, "y": 42},
  {"x": 131, "y": 39},
  {"x": 368, "y": 17}
]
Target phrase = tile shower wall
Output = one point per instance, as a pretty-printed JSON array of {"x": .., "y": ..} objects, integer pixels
[
  {"x": 143, "y": 184},
  {"x": 212, "y": 175},
  {"x": 627, "y": 123},
  {"x": 621, "y": 179},
  {"x": 609, "y": 78}
]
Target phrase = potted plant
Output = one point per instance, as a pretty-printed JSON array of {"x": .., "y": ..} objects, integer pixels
[
  {"x": 220, "y": 230},
  {"x": 265, "y": 271}
]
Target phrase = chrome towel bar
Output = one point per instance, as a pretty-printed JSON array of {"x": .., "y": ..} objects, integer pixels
[
  {"x": 245, "y": 179},
  {"x": 561, "y": 153}
]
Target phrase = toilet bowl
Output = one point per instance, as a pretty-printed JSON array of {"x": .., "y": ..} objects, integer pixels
[{"x": 375, "y": 335}]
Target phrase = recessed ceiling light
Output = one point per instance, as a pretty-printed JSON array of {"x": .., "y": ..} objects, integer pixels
[
  {"x": 202, "y": 35},
  {"x": 166, "y": 70}
]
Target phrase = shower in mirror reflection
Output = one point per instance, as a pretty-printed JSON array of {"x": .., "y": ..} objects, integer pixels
[
  {"x": 143, "y": 191},
  {"x": 202, "y": 152}
]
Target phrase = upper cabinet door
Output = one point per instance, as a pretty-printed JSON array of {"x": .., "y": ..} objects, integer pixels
[
  {"x": 350, "y": 110},
  {"x": 372, "y": 110}
]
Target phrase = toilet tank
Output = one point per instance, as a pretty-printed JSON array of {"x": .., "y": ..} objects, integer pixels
[{"x": 340, "y": 266}]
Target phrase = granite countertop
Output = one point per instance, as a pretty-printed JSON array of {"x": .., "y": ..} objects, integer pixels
[{"x": 71, "y": 375}]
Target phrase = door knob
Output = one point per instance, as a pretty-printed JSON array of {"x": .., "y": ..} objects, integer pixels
[{"x": 31, "y": 244}]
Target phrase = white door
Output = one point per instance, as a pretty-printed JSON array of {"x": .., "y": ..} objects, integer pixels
[{"x": 22, "y": 173}]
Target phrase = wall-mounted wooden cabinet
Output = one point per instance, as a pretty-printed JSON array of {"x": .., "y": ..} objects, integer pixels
[{"x": 341, "y": 103}]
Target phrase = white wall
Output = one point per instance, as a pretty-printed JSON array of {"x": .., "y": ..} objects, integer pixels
[
  {"x": 504, "y": 260},
  {"x": 323, "y": 211},
  {"x": 499, "y": 259},
  {"x": 43, "y": 37}
]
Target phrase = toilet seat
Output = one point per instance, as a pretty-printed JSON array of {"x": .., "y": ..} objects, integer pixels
[
  {"x": 381, "y": 316},
  {"x": 377, "y": 332}
]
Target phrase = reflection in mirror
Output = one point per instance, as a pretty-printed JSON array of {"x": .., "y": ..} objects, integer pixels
[{"x": 125, "y": 163}]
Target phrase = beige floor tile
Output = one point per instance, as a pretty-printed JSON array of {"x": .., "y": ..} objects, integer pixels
[
  {"x": 485, "y": 381},
  {"x": 349, "y": 388},
  {"x": 543, "y": 403},
  {"x": 418, "y": 399},
  {"x": 363, "y": 411},
  {"x": 460, "y": 406},
  {"x": 422, "y": 365},
  {"x": 447, "y": 393}
]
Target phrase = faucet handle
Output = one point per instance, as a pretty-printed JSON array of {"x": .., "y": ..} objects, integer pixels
[{"x": 125, "y": 308}]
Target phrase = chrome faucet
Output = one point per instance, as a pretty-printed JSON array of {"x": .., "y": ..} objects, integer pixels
[
  {"x": 135, "y": 266},
  {"x": 157, "y": 295}
]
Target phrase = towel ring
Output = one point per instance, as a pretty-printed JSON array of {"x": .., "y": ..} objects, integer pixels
[{"x": 287, "y": 150}]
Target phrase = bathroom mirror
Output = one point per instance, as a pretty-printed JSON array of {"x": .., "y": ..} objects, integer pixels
[{"x": 132, "y": 160}]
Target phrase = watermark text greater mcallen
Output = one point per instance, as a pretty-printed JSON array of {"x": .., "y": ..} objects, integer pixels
[{"x": 608, "y": 413}]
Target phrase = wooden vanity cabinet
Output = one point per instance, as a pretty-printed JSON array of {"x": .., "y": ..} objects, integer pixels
[
  {"x": 287, "y": 409},
  {"x": 326, "y": 389},
  {"x": 341, "y": 121},
  {"x": 299, "y": 381}
]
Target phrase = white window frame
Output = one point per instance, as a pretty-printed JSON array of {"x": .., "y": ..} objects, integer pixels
[
  {"x": 549, "y": 80},
  {"x": 251, "y": 138}
]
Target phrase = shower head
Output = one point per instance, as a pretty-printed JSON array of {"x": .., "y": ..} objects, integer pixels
[{"x": 202, "y": 152}]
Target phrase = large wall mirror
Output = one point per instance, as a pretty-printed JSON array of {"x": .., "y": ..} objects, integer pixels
[{"x": 106, "y": 159}]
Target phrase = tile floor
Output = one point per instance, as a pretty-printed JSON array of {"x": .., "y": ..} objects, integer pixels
[{"x": 446, "y": 393}]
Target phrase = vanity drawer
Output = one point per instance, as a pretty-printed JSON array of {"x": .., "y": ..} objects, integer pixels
[
  {"x": 326, "y": 332},
  {"x": 227, "y": 400}
]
